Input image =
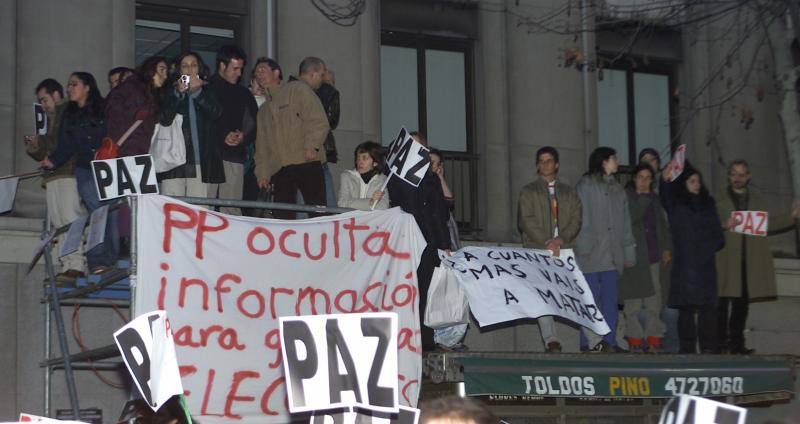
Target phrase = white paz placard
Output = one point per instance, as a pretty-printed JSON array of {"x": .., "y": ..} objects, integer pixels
[
  {"x": 685, "y": 409},
  {"x": 148, "y": 351},
  {"x": 334, "y": 361},
  {"x": 408, "y": 159},
  {"x": 676, "y": 165},
  {"x": 39, "y": 119},
  {"x": 130, "y": 175},
  {"x": 406, "y": 415},
  {"x": 754, "y": 223},
  {"x": 505, "y": 284}
]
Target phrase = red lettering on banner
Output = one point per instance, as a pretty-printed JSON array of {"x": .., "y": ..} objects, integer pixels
[
  {"x": 336, "y": 239},
  {"x": 353, "y": 299},
  {"x": 186, "y": 370},
  {"x": 265, "y": 398},
  {"x": 406, "y": 387},
  {"x": 311, "y": 293},
  {"x": 207, "y": 393},
  {"x": 227, "y": 339},
  {"x": 405, "y": 338},
  {"x": 202, "y": 228},
  {"x": 259, "y": 298},
  {"x": 323, "y": 239},
  {"x": 384, "y": 248},
  {"x": 272, "y": 293},
  {"x": 760, "y": 230},
  {"x": 409, "y": 295},
  {"x": 282, "y": 244},
  {"x": 273, "y": 341},
  {"x": 238, "y": 377},
  {"x": 170, "y": 222},
  {"x": 251, "y": 241},
  {"x": 186, "y": 282},
  {"x": 352, "y": 228},
  {"x": 220, "y": 289},
  {"x": 367, "y": 303}
]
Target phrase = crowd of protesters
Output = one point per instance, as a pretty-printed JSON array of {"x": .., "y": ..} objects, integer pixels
[
  {"x": 659, "y": 250},
  {"x": 656, "y": 250}
]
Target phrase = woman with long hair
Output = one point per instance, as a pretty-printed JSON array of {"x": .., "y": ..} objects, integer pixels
[
  {"x": 696, "y": 237},
  {"x": 136, "y": 99},
  {"x": 83, "y": 126},
  {"x": 639, "y": 287},
  {"x": 199, "y": 108},
  {"x": 605, "y": 244}
]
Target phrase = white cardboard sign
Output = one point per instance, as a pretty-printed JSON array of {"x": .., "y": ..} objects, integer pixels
[
  {"x": 8, "y": 191},
  {"x": 676, "y": 165},
  {"x": 72, "y": 241},
  {"x": 754, "y": 223},
  {"x": 334, "y": 361},
  {"x": 148, "y": 351},
  {"x": 130, "y": 175},
  {"x": 97, "y": 227},
  {"x": 685, "y": 409},
  {"x": 408, "y": 159},
  {"x": 505, "y": 284},
  {"x": 39, "y": 119},
  {"x": 406, "y": 415}
]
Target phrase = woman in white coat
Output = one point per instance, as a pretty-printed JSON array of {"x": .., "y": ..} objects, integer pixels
[{"x": 360, "y": 188}]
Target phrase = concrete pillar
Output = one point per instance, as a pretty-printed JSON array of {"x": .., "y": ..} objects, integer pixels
[
  {"x": 8, "y": 50},
  {"x": 492, "y": 93}
]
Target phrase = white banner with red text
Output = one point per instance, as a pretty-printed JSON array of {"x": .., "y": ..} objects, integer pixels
[{"x": 225, "y": 280}]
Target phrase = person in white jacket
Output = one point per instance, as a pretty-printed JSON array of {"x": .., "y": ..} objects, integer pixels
[{"x": 360, "y": 188}]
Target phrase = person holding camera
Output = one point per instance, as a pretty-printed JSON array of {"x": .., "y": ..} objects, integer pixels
[{"x": 200, "y": 108}]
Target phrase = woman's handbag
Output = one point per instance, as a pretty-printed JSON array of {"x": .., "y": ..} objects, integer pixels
[
  {"x": 110, "y": 150},
  {"x": 167, "y": 146}
]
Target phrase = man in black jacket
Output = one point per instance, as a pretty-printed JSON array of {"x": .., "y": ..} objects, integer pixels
[
  {"x": 329, "y": 96},
  {"x": 236, "y": 129}
]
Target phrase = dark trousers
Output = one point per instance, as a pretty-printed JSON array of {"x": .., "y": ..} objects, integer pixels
[
  {"x": 733, "y": 315},
  {"x": 704, "y": 330},
  {"x": 307, "y": 178},
  {"x": 427, "y": 263}
]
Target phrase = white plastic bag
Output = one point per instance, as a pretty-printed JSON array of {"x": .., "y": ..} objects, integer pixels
[
  {"x": 167, "y": 145},
  {"x": 447, "y": 303}
]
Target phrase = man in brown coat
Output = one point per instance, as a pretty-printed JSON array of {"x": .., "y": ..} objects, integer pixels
[
  {"x": 292, "y": 127},
  {"x": 744, "y": 266},
  {"x": 63, "y": 201},
  {"x": 549, "y": 217}
]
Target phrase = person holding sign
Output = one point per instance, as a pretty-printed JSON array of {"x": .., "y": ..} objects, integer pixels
[
  {"x": 745, "y": 268},
  {"x": 696, "y": 237},
  {"x": 81, "y": 129},
  {"x": 639, "y": 286},
  {"x": 63, "y": 201},
  {"x": 549, "y": 217},
  {"x": 427, "y": 203},
  {"x": 605, "y": 245},
  {"x": 360, "y": 188}
]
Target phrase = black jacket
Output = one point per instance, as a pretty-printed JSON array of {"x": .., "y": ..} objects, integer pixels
[
  {"x": 428, "y": 206},
  {"x": 239, "y": 111},
  {"x": 208, "y": 110},
  {"x": 329, "y": 97},
  {"x": 696, "y": 237},
  {"x": 79, "y": 135}
]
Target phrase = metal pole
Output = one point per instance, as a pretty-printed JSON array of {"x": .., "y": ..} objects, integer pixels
[
  {"x": 134, "y": 204},
  {"x": 271, "y": 30},
  {"x": 47, "y": 370},
  {"x": 587, "y": 140},
  {"x": 62, "y": 336}
]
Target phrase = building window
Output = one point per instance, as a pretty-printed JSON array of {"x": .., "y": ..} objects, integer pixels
[
  {"x": 634, "y": 111},
  {"x": 161, "y": 31},
  {"x": 426, "y": 85}
]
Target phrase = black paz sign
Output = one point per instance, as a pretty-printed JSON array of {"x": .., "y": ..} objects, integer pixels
[
  {"x": 131, "y": 175},
  {"x": 334, "y": 361}
]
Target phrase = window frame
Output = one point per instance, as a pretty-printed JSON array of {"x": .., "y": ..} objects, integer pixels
[
  {"x": 423, "y": 42},
  {"x": 631, "y": 66}
]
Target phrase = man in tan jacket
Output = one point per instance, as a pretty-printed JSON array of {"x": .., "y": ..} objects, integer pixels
[
  {"x": 292, "y": 127},
  {"x": 549, "y": 217}
]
